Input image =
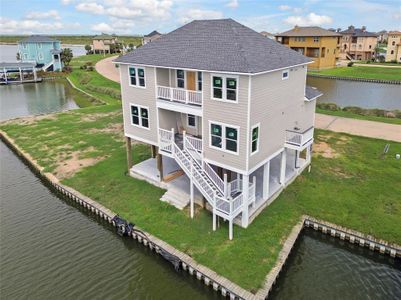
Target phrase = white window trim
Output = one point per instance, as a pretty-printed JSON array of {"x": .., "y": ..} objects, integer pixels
[
  {"x": 25, "y": 55},
  {"x": 258, "y": 139},
  {"x": 196, "y": 121},
  {"x": 197, "y": 81},
  {"x": 139, "y": 115},
  {"x": 185, "y": 79},
  {"x": 137, "y": 77},
  {"x": 40, "y": 56},
  {"x": 223, "y": 137},
  {"x": 224, "y": 88},
  {"x": 282, "y": 74}
]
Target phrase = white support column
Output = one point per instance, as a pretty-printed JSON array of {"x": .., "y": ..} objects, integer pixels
[
  {"x": 34, "y": 74},
  {"x": 214, "y": 219},
  {"x": 192, "y": 195},
  {"x": 283, "y": 166},
  {"x": 230, "y": 229},
  {"x": 245, "y": 193},
  {"x": 20, "y": 74},
  {"x": 266, "y": 181},
  {"x": 225, "y": 186},
  {"x": 5, "y": 75}
]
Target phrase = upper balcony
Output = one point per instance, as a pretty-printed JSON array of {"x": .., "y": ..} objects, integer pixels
[{"x": 179, "y": 95}]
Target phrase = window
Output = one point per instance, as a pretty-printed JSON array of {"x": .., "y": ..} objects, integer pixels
[
  {"x": 25, "y": 56},
  {"x": 224, "y": 137},
  {"x": 224, "y": 88},
  {"x": 191, "y": 120},
  {"x": 285, "y": 74},
  {"x": 255, "y": 139},
  {"x": 323, "y": 52},
  {"x": 181, "y": 79},
  {"x": 40, "y": 55},
  {"x": 136, "y": 76},
  {"x": 316, "y": 39},
  {"x": 40, "y": 45},
  {"x": 392, "y": 51},
  {"x": 300, "y": 39},
  {"x": 199, "y": 81},
  {"x": 393, "y": 43},
  {"x": 140, "y": 116}
]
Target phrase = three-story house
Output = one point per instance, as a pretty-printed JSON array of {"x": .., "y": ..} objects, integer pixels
[{"x": 227, "y": 112}]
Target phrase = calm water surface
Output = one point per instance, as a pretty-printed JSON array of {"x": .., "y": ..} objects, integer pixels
[
  {"x": 50, "y": 249},
  {"x": 323, "y": 267},
  {"x": 355, "y": 93}
]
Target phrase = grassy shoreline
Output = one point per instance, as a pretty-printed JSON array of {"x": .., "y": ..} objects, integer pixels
[
  {"x": 350, "y": 115},
  {"x": 350, "y": 185},
  {"x": 379, "y": 73}
]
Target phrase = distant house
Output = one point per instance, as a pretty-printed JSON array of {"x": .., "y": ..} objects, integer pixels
[
  {"x": 147, "y": 38},
  {"x": 394, "y": 46},
  {"x": 267, "y": 34},
  {"x": 317, "y": 43},
  {"x": 357, "y": 43},
  {"x": 102, "y": 43},
  {"x": 382, "y": 36},
  {"x": 41, "y": 50}
]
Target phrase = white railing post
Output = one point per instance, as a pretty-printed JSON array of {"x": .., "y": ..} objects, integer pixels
[
  {"x": 254, "y": 191},
  {"x": 225, "y": 186},
  {"x": 172, "y": 141}
]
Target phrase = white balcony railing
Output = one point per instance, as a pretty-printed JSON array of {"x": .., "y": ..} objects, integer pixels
[
  {"x": 179, "y": 95},
  {"x": 298, "y": 138}
]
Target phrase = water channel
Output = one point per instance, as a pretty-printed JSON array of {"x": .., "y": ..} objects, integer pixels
[
  {"x": 358, "y": 93},
  {"x": 51, "y": 249}
]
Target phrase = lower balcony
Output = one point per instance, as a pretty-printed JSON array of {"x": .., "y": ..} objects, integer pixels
[{"x": 299, "y": 139}]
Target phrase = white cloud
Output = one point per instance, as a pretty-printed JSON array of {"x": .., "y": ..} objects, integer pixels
[
  {"x": 66, "y": 2},
  {"x": 200, "y": 14},
  {"x": 29, "y": 26},
  {"x": 311, "y": 19},
  {"x": 102, "y": 27},
  {"x": 284, "y": 7},
  {"x": 36, "y": 15},
  {"x": 91, "y": 7},
  {"x": 118, "y": 26},
  {"x": 232, "y": 4}
]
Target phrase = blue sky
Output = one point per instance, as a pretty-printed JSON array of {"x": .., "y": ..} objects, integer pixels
[{"x": 143, "y": 16}]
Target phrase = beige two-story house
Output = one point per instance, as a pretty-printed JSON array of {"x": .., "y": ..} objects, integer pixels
[
  {"x": 358, "y": 43},
  {"x": 227, "y": 113},
  {"x": 103, "y": 43},
  {"x": 394, "y": 46}
]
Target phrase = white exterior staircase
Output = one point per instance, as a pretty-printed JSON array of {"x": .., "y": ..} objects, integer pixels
[{"x": 226, "y": 199}]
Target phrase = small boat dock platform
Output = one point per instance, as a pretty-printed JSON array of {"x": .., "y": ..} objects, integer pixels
[{"x": 18, "y": 72}]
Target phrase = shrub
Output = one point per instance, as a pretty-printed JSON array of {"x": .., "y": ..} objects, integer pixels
[
  {"x": 350, "y": 64},
  {"x": 85, "y": 78},
  {"x": 394, "y": 61},
  {"x": 67, "y": 69},
  {"x": 354, "y": 109},
  {"x": 328, "y": 106},
  {"x": 104, "y": 90}
]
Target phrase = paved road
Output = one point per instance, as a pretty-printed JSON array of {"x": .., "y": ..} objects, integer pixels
[
  {"x": 359, "y": 127},
  {"x": 371, "y": 129},
  {"x": 108, "y": 69}
]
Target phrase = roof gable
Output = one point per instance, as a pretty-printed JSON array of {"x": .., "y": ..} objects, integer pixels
[
  {"x": 308, "y": 31},
  {"x": 215, "y": 45},
  {"x": 38, "y": 39},
  {"x": 154, "y": 32}
]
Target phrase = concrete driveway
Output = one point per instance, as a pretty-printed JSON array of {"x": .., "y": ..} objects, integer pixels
[{"x": 106, "y": 68}]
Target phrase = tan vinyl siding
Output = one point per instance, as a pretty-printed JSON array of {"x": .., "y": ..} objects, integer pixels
[
  {"x": 163, "y": 77},
  {"x": 228, "y": 113},
  {"x": 140, "y": 96},
  {"x": 278, "y": 105}
]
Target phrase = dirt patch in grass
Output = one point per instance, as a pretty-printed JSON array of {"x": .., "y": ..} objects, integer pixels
[
  {"x": 114, "y": 129},
  {"x": 96, "y": 116},
  {"x": 70, "y": 163},
  {"x": 325, "y": 150},
  {"x": 30, "y": 119},
  {"x": 339, "y": 172}
]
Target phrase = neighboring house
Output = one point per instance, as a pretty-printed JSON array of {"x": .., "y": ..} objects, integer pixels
[
  {"x": 41, "y": 50},
  {"x": 319, "y": 44},
  {"x": 148, "y": 38},
  {"x": 102, "y": 43},
  {"x": 224, "y": 106},
  {"x": 268, "y": 35},
  {"x": 358, "y": 44},
  {"x": 394, "y": 46},
  {"x": 382, "y": 36}
]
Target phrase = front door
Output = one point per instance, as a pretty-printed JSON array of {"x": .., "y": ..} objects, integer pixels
[{"x": 191, "y": 82}]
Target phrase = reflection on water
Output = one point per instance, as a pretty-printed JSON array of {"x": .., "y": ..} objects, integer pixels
[
  {"x": 34, "y": 98},
  {"x": 356, "y": 93},
  {"x": 323, "y": 267}
]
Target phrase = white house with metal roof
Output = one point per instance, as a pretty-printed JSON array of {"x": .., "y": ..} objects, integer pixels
[{"x": 227, "y": 113}]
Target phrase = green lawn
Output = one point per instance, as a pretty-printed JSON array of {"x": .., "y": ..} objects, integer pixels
[
  {"x": 362, "y": 72},
  {"x": 355, "y": 188},
  {"x": 347, "y": 114}
]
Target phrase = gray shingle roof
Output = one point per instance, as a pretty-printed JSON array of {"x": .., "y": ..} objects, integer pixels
[
  {"x": 358, "y": 32},
  {"x": 312, "y": 92},
  {"x": 215, "y": 45},
  {"x": 37, "y": 39},
  {"x": 308, "y": 31}
]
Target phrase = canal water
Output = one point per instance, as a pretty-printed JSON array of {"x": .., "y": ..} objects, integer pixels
[
  {"x": 358, "y": 93},
  {"x": 51, "y": 249}
]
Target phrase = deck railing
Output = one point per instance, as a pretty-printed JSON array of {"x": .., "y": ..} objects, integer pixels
[
  {"x": 297, "y": 138},
  {"x": 166, "y": 139},
  {"x": 179, "y": 95},
  {"x": 195, "y": 142}
]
